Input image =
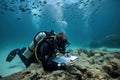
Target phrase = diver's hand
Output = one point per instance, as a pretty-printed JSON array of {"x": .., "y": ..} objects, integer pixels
[{"x": 67, "y": 54}]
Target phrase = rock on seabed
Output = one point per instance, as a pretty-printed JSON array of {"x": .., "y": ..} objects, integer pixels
[{"x": 98, "y": 64}]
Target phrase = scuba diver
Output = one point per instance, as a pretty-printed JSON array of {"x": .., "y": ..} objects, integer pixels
[{"x": 43, "y": 49}]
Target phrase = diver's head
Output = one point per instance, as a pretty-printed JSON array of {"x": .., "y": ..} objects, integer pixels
[{"x": 61, "y": 41}]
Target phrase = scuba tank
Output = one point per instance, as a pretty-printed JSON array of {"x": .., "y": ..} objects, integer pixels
[{"x": 30, "y": 50}]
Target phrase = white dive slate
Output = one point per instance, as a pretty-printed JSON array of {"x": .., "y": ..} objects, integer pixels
[{"x": 64, "y": 59}]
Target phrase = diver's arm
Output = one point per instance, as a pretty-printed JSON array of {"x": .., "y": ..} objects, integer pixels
[{"x": 46, "y": 63}]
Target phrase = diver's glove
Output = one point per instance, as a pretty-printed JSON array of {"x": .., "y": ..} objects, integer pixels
[
  {"x": 61, "y": 50},
  {"x": 61, "y": 66}
]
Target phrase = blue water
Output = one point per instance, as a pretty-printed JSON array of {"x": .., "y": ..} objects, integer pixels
[{"x": 83, "y": 21}]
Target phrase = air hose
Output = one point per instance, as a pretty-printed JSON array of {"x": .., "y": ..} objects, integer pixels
[{"x": 36, "y": 51}]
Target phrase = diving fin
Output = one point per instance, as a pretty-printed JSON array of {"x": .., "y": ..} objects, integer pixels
[{"x": 12, "y": 54}]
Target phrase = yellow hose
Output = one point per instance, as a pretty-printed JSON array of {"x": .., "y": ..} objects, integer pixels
[{"x": 36, "y": 51}]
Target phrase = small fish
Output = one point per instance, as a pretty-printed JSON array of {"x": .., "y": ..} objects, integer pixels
[
  {"x": 87, "y": 0},
  {"x": 22, "y": 9},
  {"x": 34, "y": 7},
  {"x": 28, "y": 9},
  {"x": 33, "y": 3},
  {"x": 91, "y": 2},
  {"x": 22, "y": 0},
  {"x": 39, "y": 16},
  {"x": 38, "y": 6},
  {"x": 5, "y": 5},
  {"x": 45, "y": 2},
  {"x": 53, "y": 21},
  {"x": 34, "y": 14},
  {"x": 40, "y": 2},
  {"x": 18, "y": 18},
  {"x": 40, "y": 10}
]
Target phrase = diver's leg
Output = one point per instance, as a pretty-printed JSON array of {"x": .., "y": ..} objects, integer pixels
[
  {"x": 23, "y": 58},
  {"x": 27, "y": 63},
  {"x": 30, "y": 60}
]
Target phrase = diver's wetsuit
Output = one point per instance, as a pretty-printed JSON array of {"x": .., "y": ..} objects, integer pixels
[{"x": 44, "y": 50}]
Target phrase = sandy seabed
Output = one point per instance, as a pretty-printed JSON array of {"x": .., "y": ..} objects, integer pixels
[{"x": 95, "y": 64}]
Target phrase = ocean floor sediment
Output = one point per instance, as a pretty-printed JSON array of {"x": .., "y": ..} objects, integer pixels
[{"x": 95, "y": 64}]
